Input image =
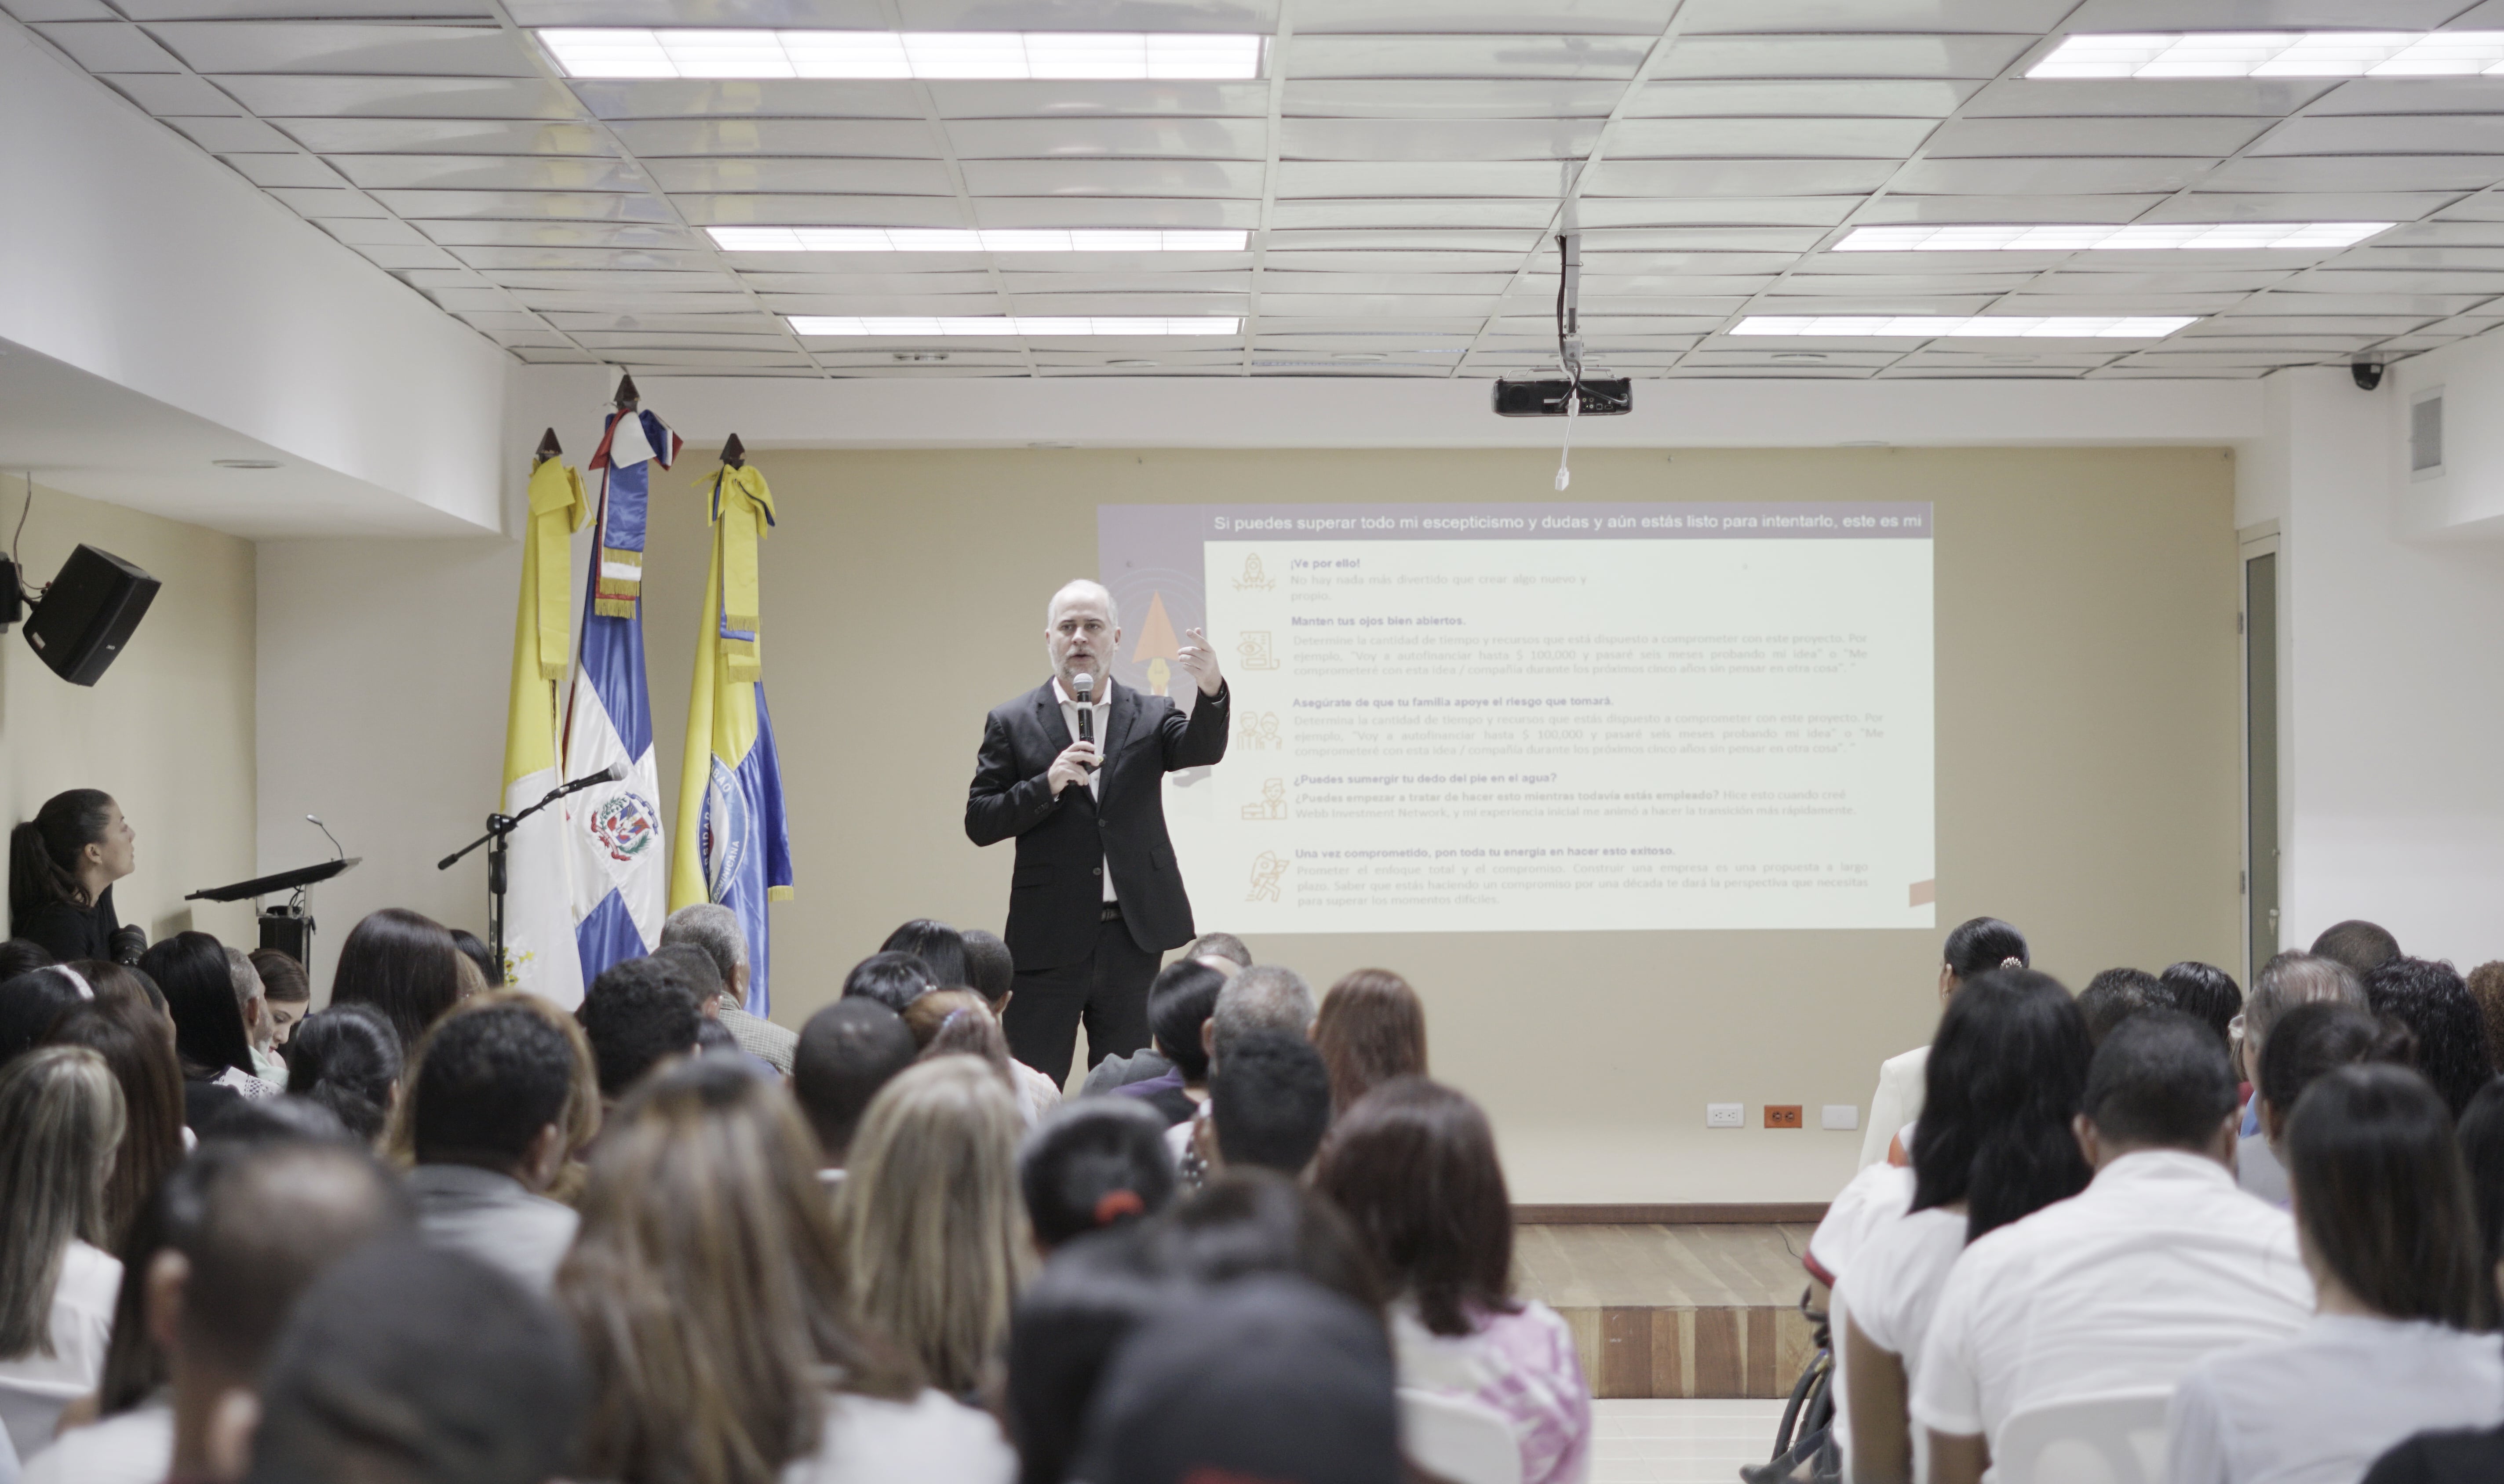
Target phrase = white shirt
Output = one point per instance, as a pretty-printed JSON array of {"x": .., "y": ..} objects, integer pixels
[
  {"x": 929, "y": 1440},
  {"x": 133, "y": 1447},
  {"x": 1902, "y": 1082},
  {"x": 34, "y": 1387},
  {"x": 1100, "y": 711},
  {"x": 1037, "y": 1094},
  {"x": 2157, "y": 1264},
  {"x": 1877, "y": 1195},
  {"x": 1896, "y": 1278},
  {"x": 2319, "y": 1408}
]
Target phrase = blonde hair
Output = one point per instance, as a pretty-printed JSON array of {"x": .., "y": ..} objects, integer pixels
[
  {"x": 708, "y": 1286},
  {"x": 580, "y": 1119},
  {"x": 934, "y": 1233},
  {"x": 61, "y": 1116},
  {"x": 952, "y": 1022}
]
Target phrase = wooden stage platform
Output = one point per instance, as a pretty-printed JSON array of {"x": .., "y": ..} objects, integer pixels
[{"x": 1675, "y": 1310}]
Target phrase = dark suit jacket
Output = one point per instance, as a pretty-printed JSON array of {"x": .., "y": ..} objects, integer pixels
[{"x": 1064, "y": 843}]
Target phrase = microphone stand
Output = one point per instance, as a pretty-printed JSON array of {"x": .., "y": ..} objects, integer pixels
[{"x": 499, "y": 828}]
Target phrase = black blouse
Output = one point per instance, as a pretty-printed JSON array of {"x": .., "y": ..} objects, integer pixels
[{"x": 68, "y": 931}]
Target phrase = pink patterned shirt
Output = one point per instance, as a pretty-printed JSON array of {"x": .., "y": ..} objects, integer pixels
[{"x": 1521, "y": 1366}]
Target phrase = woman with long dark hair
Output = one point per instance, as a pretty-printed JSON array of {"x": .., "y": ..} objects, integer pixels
[
  {"x": 1994, "y": 1144},
  {"x": 191, "y": 969},
  {"x": 349, "y": 1059},
  {"x": 1976, "y": 946},
  {"x": 406, "y": 965},
  {"x": 62, "y": 865}
]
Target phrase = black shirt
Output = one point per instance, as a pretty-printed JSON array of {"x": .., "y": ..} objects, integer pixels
[
  {"x": 2443, "y": 1458},
  {"x": 68, "y": 931}
]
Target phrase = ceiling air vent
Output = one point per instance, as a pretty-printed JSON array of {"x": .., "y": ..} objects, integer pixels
[{"x": 2425, "y": 434}]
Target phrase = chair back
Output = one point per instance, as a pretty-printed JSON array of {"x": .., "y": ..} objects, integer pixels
[
  {"x": 2111, "y": 1437},
  {"x": 1458, "y": 1441}
]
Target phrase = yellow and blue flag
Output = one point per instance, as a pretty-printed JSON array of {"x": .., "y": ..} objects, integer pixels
[
  {"x": 734, "y": 845},
  {"x": 539, "y": 894}
]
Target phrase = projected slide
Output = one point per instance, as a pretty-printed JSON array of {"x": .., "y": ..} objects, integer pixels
[{"x": 1543, "y": 717}]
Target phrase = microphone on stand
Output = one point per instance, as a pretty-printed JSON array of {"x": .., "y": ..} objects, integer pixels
[
  {"x": 615, "y": 773},
  {"x": 1085, "y": 686}
]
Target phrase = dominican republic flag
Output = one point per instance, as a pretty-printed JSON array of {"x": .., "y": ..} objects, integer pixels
[
  {"x": 734, "y": 845},
  {"x": 621, "y": 867}
]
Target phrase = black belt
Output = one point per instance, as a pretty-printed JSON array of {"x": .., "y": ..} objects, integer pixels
[{"x": 1112, "y": 913}]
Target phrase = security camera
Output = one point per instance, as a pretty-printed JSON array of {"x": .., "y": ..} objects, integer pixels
[{"x": 2368, "y": 374}]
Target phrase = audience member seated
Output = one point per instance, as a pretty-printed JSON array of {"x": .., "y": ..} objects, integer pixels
[
  {"x": 994, "y": 974},
  {"x": 1219, "y": 948},
  {"x": 1414, "y": 1165},
  {"x": 955, "y": 1023},
  {"x": 2002, "y": 1085},
  {"x": 2115, "y": 995},
  {"x": 2382, "y": 1216},
  {"x": 2310, "y": 1042},
  {"x": 847, "y": 1052},
  {"x": 1265, "y": 997},
  {"x": 1272, "y": 1378},
  {"x": 137, "y": 1043},
  {"x": 30, "y": 1005},
  {"x": 636, "y": 1014},
  {"x": 487, "y": 1114},
  {"x": 2363, "y": 947},
  {"x": 280, "y": 1120},
  {"x": 708, "y": 1286},
  {"x": 940, "y": 948},
  {"x": 2486, "y": 986},
  {"x": 1252, "y": 1222},
  {"x": 2482, "y": 1151},
  {"x": 1976, "y": 946},
  {"x": 209, "y": 1032},
  {"x": 348, "y": 1059},
  {"x": 714, "y": 929},
  {"x": 287, "y": 988},
  {"x": 1074, "y": 1317},
  {"x": 1223, "y": 952},
  {"x": 62, "y": 865},
  {"x": 259, "y": 1027},
  {"x": 420, "y": 1366},
  {"x": 23, "y": 955},
  {"x": 934, "y": 1235},
  {"x": 2289, "y": 979},
  {"x": 1180, "y": 1000},
  {"x": 2432, "y": 1002},
  {"x": 695, "y": 968},
  {"x": 2206, "y": 993},
  {"x": 405, "y": 965},
  {"x": 1371, "y": 1030},
  {"x": 1095, "y": 1165},
  {"x": 475, "y": 948},
  {"x": 893, "y": 980},
  {"x": 1270, "y": 1106},
  {"x": 2158, "y": 1263},
  {"x": 61, "y": 1117}
]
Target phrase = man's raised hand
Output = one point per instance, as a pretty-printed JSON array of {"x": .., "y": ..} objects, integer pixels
[{"x": 1196, "y": 657}]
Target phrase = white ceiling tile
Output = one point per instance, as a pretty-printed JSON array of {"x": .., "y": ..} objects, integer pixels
[
  {"x": 2260, "y": 15},
  {"x": 1698, "y": 239},
  {"x": 1677, "y": 178},
  {"x": 2082, "y": 280},
  {"x": 1895, "y": 210},
  {"x": 1087, "y": 138},
  {"x": 863, "y": 284},
  {"x": 446, "y": 136},
  {"x": 1436, "y": 139},
  {"x": 552, "y": 358},
  {"x": 1179, "y": 305},
  {"x": 1767, "y": 138},
  {"x": 732, "y": 98},
  {"x": 525, "y": 205},
  {"x": 816, "y": 210},
  {"x": 1824, "y": 98},
  {"x": 377, "y": 232},
  {"x": 2054, "y": 177},
  {"x": 488, "y": 172},
  {"x": 1841, "y": 56},
  {"x": 1357, "y": 307},
  {"x": 874, "y": 138},
  {"x": 2413, "y": 257},
  {"x": 1484, "y": 17},
  {"x": 1704, "y": 18},
  {"x": 1413, "y": 99},
  {"x": 2035, "y": 302},
  {"x": 1113, "y": 176},
  {"x": 844, "y": 177},
  {"x": 553, "y": 234},
  {"x": 845, "y": 15},
  {"x": 496, "y": 260},
  {"x": 32, "y": 11},
  {"x": 1490, "y": 211},
  {"x": 344, "y": 47},
  {"x": 1602, "y": 291},
  {"x": 645, "y": 339},
  {"x": 1237, "y": 282},
  {"x": 2439, "y": 135},
  {"x": 1466, "y": 57},
  {"x": 407, "y": 258},
  {"x": 233, "y": 136},
  {"x": 1599, "y": 264},
  {"x": 2324, "y": 345},
  {"x": 2416, "y": 342},
  {"x": 2370, "y": 326},
  {"x": 2129, "y": 97},
  {"x": 1863, "y": 286},
  {"x": 149, "y": 12},
  {"x": 2432, "y": 306},
  {"x": 1222, "y": 15},
  {"x": 1306, "y": 180},
  {"x": 297, "y": 170},
  {"x": 629, "y": 302},
  {"x": 2410, "y": 95},
  {"x": 2207, "y": 205},
  {"x": 1277, "y": 260},
  {"x": 707, "y": 360},
  {"x": 529, "y": 339},
  {"x": 2375, "y": 281},
  {"x": 1938, "y": 355},
  {"x": 1015, "y": 99},
  {"x": 2477, "y": 208},
  {"x": 326, "y": 205},
  {"x": 1462, "y": 243},
  {"x": 1115, "y": 211},
  {"x": 2027, "y": 138},
  {"x": 2359, "y": 172},
  {"x": 169, "y": 95},
  {"x": 1723, "y": 211},
  {"x": 283, "y": 96},
  {"x": 1873, "y": 303},
  {"x": 1276, "y": 280},
  {"x": 628, "y": 281},
  {"x": 109, "y": 45},
  {"x": 1717, "y": 357}
]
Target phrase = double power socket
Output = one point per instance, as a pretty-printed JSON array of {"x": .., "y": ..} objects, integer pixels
[{"x": 1836, "y": 1116}]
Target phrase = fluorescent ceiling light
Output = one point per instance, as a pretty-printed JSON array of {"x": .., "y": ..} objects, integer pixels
[
  {"x": 1013, "y": 326},
  {"x": 2041, "y": 238},
  {"x": 626, "y": 52},
  {"x": 897, "y": 239},
  {"x": 1926, "y": 327},
  {"x": 2278, "y": 55}
]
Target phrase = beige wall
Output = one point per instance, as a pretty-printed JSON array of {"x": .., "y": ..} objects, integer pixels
[
  {"x": 167, "y": 731},
  {"x": 2087, "y": 698}
]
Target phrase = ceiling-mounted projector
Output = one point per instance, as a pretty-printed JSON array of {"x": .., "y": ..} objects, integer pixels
[{"x": 1572, "y": 391}]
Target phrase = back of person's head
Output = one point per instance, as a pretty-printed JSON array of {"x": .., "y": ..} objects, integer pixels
[
  {"x": 1270, "y": 1102},
  {"x": 1980, "y": 945},
  {"x": 1272, "y": 1378},
  {"x": 893, "y": 980},
  {"x": 347, "y": 1058},
  {"x": 1093, "y": 1164},
  {"x": 940, "y": 948},
  {"x": 2117, "y": 994},
  {"x": 847, "y": 1052},
  {"x": 2205, "y": 992},
  {"x": 2429, "y": 998},
  {"x": 2295, "y": 977},
  {"x": 1224, "y": 945},
  {"x": 934, "y": 1235},
  {"x": 282, "y": 978},
  {"x": 30, "y": 1005},
  {"x": 2362, "y": 945},
  {"x": 1246, "y": 1223},
  {"x": 1413, "y": 1165},
  {"x": 409, "y": 1364},
  {"x": 279, "y": 1119},
  {"x": 110, "y": 979},
  {"x": 491, "y": 974},
  {"x": 2382, "y": 1198},
  {"x": 1263, "y": 997},
  {"x": 47, "y": 852},
  {"x": 191, "y": 968},
  {"x": 2481, "y": 1149},
  {"x": 2313, "y": 1040},
  {"x": 2004, "y": 1079},
  {"x": 406, "y": 965},
  {"x": 489, "y": 1083},
  {"x": 61, "y": 1117},
  {"x": 697, "y": 967},
  {"x": 130, "y": 1034},
  {"x": 958, "y": 1023},
  {"x": 706, "y": 1282},
  {"x": 2486, "y": 986},
  {"x": 268, "y": 1218},
  {"x": 23, "y": 955},
  {"x": 1371, "y": 1028},
  {"x": 1180, "y": 1000},
  {"x": 1068, "y": 1323},
  {"x": 2160, "y": 1081},
  {"x": 990, "y": 969},
  {"x": 714, "y": 929},
  {"x": 635, "y": 1013}
]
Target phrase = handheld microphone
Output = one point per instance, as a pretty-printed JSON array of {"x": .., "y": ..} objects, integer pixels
[
  {"x": 1085, "y": 686},
  {"x": 615, "y": 773}
]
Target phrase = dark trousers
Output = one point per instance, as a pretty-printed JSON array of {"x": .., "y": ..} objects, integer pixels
[{"x": 1108, "y": 990}]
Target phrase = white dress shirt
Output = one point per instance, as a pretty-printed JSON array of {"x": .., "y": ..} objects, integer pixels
[
  {"x": 1877, "y": 1195},
  {"x": 2319, "y": 1408},
  {"x": 1099, "y": 711},
  {"x": 869, "y": 1440},
  {"x": 133, "y": 1447},
  {"x": 2156, "y": 1266},
  {"x": 1902, "y": 1082},
  {"x": 1897, "y": 1279},
  {"x": 34, "y": 1387}
]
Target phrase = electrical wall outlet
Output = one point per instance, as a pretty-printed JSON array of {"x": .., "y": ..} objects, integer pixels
[
  {"x": 1781, "y": 1115},
  {"x": 1846, "y": 1115},
  {"x": 1726, "y": 1115}
]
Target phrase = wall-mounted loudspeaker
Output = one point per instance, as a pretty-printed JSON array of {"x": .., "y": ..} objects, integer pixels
[{"x": 87, "y": 616}]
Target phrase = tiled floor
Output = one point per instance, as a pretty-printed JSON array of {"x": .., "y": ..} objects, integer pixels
[{"x": 1680, "y": 1442}]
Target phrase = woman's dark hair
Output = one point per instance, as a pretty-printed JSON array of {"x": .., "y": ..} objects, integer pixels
[
  {"x": 129, "y": 1033},
  {"x": 1180, "y": 1000},
  {"x": 1414, "y": 1165},
  {"x": 110, "y": 979},
  {"x": 29, "y": 1004},
  {"x": 346, "y": 1059},
  {"x": 2481, "y": 1149},
  {"x": 2380, "y": 1192},
  {"x": 475, "y": 948},
  {"x": 404, "y": 964},
  {"x": 1092, "y": 1164},
  {"x": 191, "y": 968},
  {"x": 1371, "y": 1028},
  {"x": 2206, "y": 993},
  {"x": 1066, "y": 1325},
  {"x": 1980, "y": 945},
  {"x": 282, "y": 978},
  {"x": 2005, "y": 1077},
  {"x": 23, "y": 955},
  {"x": 43, "y": 851},
  {"x": 893, "y": 980},
  {"x": 940, "y": 948},
  {"x": 2430, "y": 999},
  {"x": 2313, "y": 1040},
  {"x": 1247, "y": 1221}
]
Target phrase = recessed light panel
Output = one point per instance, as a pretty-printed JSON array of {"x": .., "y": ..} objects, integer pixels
[
  {"x": 2277, "y": 54},
  {"x": 1926, "y": 327},
  {"x": 2223, "y": 237},
  {"x": 1013, "y": 326},
  {"x": 630, "y": 52},
  {"x": 898, "y": 239}
]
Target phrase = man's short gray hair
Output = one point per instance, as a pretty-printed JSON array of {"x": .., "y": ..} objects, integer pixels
[
  {"x": 1264, "y": 997},
  {"x": 1092, "y": 587},
  {"x": 2293, "y": 979},
  {"x": 713, "y": 928}
]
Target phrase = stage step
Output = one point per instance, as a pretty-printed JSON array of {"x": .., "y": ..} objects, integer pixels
[{"x": 1675, "y": 1311}]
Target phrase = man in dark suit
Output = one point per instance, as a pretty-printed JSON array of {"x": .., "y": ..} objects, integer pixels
[{"x": 1095, "y": 898}]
